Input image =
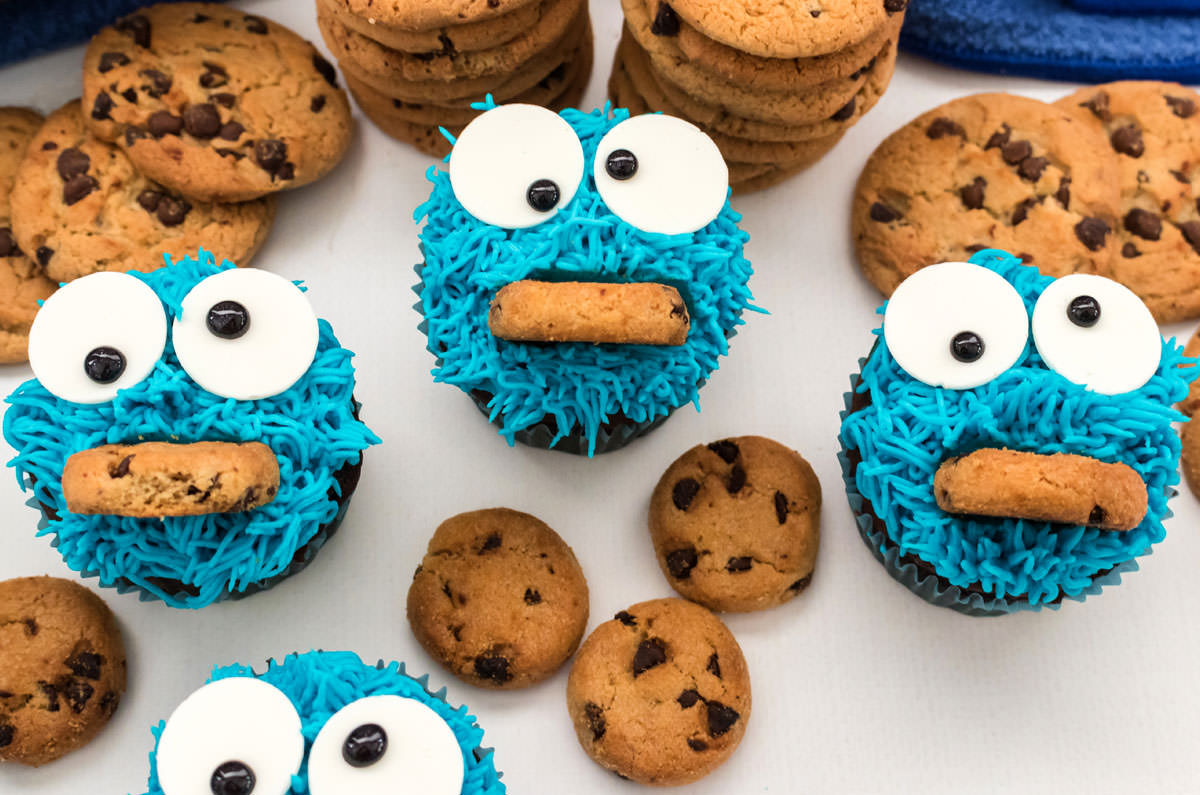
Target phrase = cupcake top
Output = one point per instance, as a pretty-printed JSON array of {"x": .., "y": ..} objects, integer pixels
[
  {"x": 589, "y": 200},
  {"x": 191, "y": 430},
  {"x": 322, "y": 723},
  {"x": 997, "y": 426}
]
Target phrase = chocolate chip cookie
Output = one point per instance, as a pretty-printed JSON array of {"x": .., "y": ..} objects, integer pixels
[
  {"x": 22, "y": 283},
  {"x": 660, "y": 694},
  {"x": 441, "y": 39},
  {"x": 417, "y": 15},
  {"x": 215, "y": 103},
  {"x": 736, "y": 523},
  {"x": 80, "y": 206},
  {"x": 62, "y": 668},
  {"x": 1154, "y": 129},
  {"x": 988, "y": 171},
  {"x": 499, "y": 599}
]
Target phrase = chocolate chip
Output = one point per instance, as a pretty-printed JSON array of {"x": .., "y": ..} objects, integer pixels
[
  {"x": 714, "y": 665},
  {"x": 224, "y": 99},
  {"x": 1128, "y": 140},
  {"x": 800, "y": 584},
  {"x": 1021, "y": 211},
  {"x": 137, "y": 26},
  {"x": 286, "y": 171},
  {"x": 1014, "y": 152},
  {"x": 7, "y": 732},
  {"x": 8, "y": 243},
  {"x": 1143, "y": 223},
  {"x": 109, "y": 702},
  {"x": 1097, "y": 515},
  {"x": 31, "y": 627},
  {"x": 133, "y": 134},
  {"x": 666, "y": 21},
  {"x": 626, "y": 619},
  {"x": 594, "y": 715},
  {"x": 697, "y": 745},
  {"x": 1191, "y": 233},
  {"x": 532, "y": 597},
  {"x": 844, "y": 112},
  {"x": 650, "y": 653},
  {"x": 999, "y": 138},
  {"x": 130, "y": 96},
  {"x": 1129, "y": 251},
  {"x": 49, "y": 146},
  {"x": 148, "y": 200},
  {"x": 215, "y": 75},
  {"x": 201, "y": 18},
  {"x": 734, "y": 565},
  {"x": 883, "y": 214},
  {"x": 317, "y": 103},
  {"x": 1031, "y": 168},
  {"x": 77, "y": 187},
  {"x": 270, "y": 154},
  {"x": 1098, "y": 105},
  {"x": 688, "y": 698},
  {"x": 72, "y": 162},
  {"x": 78, "y": 693},
  {"x": 256, "y": 25},
  {"x": 737, "y": 479},
  {"x": 1181, "y": 106},
  {"x": 972, "y": 195},
  {"x": 43, "y": 255},
  {"x": 684, "y": 492},
  {"x": 235, "y": 154},
  {"x": 720, "y": 718},
  {"x": 727, "y": 450},
  {"x": 491, "y": 542},
  {"x": 680, "y": 562},
  {"x": 862, "y": 70},
  {"x": 941, "y": 127},
  {"x": 201, "y": 120},
  {"x": 51, "y": 693},
  {"x": 493, "y": 667},
  {"x": 159, "y": 83},
  {"x": 231, "y": 131},
  {"x": 1063, "y": 194},
  {"x": 781, "y": 507},
  {"x": 1180, "y": 177},
  {"x": 172, "y": 211},
  {"x": 894, "y": 6},
  {"x": 111, "y": 60},
  {"x": 1091, "y": 232},
  {"x": 163, "y": 122},
  {"x": 1026, "y": 258},
  {"x": 325, "y": 69},
  {"x": 101, "y": 107}
]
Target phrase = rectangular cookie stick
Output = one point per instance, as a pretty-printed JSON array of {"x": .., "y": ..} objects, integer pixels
[{"x": 641, "y": 313}]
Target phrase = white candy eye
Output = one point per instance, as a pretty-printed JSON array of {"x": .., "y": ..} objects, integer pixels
[
  {"x": 1096, "y": 333},
  {"x": 384, "y": 745},
  {"x": 233, "y": 735},
  {"x": 661, "y": 174},
  {"x": 99, "y": 334},
  {"x": 955, "y": 325},
  {"x": 515, "y": 166},
  {"x": 245, "y": 334}
]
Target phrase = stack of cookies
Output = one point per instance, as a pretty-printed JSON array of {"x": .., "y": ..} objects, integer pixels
[
  {"x": 776, "y": 85},
  {"x": 416, "y": 66}
]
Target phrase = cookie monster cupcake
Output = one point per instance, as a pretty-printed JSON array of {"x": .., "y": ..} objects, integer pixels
[
  {"x": 191, "y": 433},
  {"x": 1009, "y": 441},
  {"x": 582, "y": 272},
  {"x": 322, "y": 723}
]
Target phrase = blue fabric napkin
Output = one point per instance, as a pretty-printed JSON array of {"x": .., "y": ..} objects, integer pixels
[{"x": 1138, "y": 6}]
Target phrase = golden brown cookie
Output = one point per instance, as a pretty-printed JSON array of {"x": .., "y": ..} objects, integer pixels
[
  {"x": 499, "y": 599},
  {"x": 214, "y": 103},
  {"x": 444, "y": 39},
  {"x": 1189, "y": 404},
  {"x": 988, "y": 171},
  {"x": 22, "y": 283},
  {"x": 736, "y": 524},
  {"x": 660, "y": 694},
  {"x": 1154, "y": 129},
  {"x": 156, "y": 479},
  {"x": 1189, "y": 458},
  {"x": 62, "y": 668},
  {"x": 80, "y": 206},
  {"x": 637, "y": 313},
  {"x": 419, "y": 15}
]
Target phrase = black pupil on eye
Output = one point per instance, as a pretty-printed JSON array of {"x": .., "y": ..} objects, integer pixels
[
  {"x": 543, "y": 195},
  {"x": 621, "y": 164},
  {"x": 1084, "y": 311},
  {"x": 228, "y": 320},
  {"x": 232, "y": 778},
  {"x": 365, "y": 745},
  {"x": 104, "y": 365},
  {"x": 967, "y": 346}
]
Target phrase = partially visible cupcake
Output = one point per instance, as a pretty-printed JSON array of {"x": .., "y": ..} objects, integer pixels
[
  {"x": 582, "y": 272},
  {"x": 1009, "y": 441}
]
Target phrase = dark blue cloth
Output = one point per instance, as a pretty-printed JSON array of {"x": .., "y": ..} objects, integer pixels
[
  {"x": 1138, "y": 6},
  {"x": 1051, "y": 39}
]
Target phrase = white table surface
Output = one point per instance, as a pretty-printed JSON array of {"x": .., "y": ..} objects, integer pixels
[{"x": 859, "y": 686}]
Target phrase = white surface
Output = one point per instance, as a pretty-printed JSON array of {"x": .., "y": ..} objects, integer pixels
[{"x": 859, "y": 686}]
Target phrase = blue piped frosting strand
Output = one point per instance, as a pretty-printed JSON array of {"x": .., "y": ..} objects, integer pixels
[
  {"x": 311, "y": 428},
  {"x": 320, "y": 683},
  {"x": 580, "y": 385},
  {"x": 909, "y": 429}
]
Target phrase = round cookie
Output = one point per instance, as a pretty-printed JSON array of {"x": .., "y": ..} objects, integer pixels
[
  {"x": 499, "y": 599},
  {"x": 736, "y": 524},
  {"x": 660, "y": 694},
  {"x": 469, "y": 37},
  {"x": 1189, "y": 456},
  {"x": 1189, "y": 404},
  {"x": 62, "y": 668},
  {"x": 22, "y": 283},
  {"x": 214, "y": 103},
  {"x": 418, "y": 15},
  {"x": 80, "y": 206},
  {"x": 1154, "y": 129},
  {"x": 988, "y": 171},
  {"x": 788, "y": 28}
]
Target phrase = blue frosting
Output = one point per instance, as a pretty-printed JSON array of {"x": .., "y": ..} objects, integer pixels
[
  {"x": 320, "y": 683},
  {"x": 910, "y": 428},
  {"x": 581, "y": 386},
  {"x": 311, "y": 428}
]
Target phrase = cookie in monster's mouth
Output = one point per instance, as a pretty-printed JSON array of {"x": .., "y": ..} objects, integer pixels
[
  {"x": 1009, "y": 441},
  {"x": 191, "y": 432}
]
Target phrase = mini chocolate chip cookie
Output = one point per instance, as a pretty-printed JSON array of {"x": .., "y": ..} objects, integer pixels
[
  {"x": 499, "y": 599},
  {"x": 215, "y": 103},
  {"x": 660, "y": 694},
  {"x": 736, "y": 524},
  {"x": 62, "y": 668},
  {"x": 988, "y": 171},
  {"x": 22, "y": 283},
  {"x": 79, "y": 206}
]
